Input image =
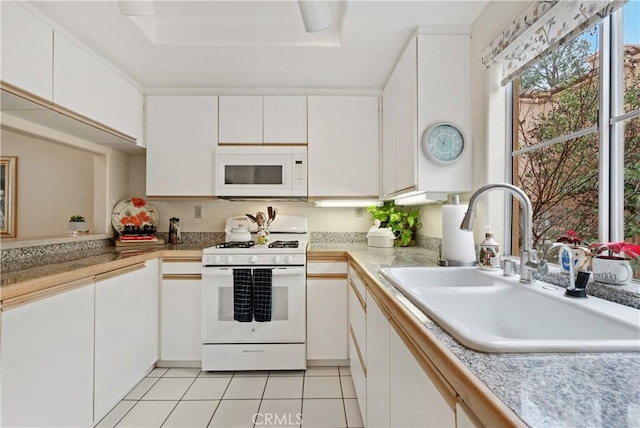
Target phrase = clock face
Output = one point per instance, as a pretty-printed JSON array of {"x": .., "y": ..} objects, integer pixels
[{"x": 443, "y": 143}]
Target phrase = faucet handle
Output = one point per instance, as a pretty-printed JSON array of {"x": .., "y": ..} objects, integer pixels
[{"x": 543, "y": 267}]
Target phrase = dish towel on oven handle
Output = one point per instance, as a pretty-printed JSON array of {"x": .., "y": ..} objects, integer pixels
[
  {"x": 262, "y": 291},
  {"x": 242, "y": 284}
]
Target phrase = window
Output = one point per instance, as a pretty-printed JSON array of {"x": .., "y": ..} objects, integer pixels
[{"x": 576, "y": 135}]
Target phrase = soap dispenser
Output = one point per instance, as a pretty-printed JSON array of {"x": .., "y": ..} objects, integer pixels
[{"x": 489, "y": 251}]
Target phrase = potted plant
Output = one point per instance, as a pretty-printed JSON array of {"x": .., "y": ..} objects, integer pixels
[
  {"x": 403, "y": 224},
  {"x": 78, "y": 225},
  {"x": 580, "y": 251},
  {"x": 614, "y": 267}
]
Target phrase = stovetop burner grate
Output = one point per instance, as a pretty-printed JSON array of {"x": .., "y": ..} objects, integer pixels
[
  {"x": 284, "y": 244},
  {"x": 237, "y": 244}
]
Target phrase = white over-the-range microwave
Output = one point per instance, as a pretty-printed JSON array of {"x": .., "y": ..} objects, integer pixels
[{"x": 261, "y": 171}]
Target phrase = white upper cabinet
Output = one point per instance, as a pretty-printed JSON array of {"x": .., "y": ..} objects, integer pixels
[
  {"x": 263, "y": 120},
  {"x": 343, "y": 146},
  {"x": 431, "y": 83},
  {"x": 27, "y": 51},
  {"x": 86, "y": 86},
  {"x": 240, "y": 120},
  {"x": 181, "y": 140},
  {"x": 444, "y": 95},
  {"x": 399, "y": 124},
  {"x": 285, "y": 120}
]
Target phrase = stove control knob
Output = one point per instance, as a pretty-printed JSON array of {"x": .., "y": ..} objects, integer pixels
[
  {"x": 217, "y": 260},
  {"x": 289, "y": 259},
  {"x": 253, "y": 259},
  {"x": 277, "y": 259},
  {"x": 229, "y": 259}
]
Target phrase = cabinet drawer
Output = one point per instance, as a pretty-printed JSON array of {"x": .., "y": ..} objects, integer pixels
[
  {"x": 358, "y": 282},
  {"x": 254, "y": 357},
  {"x": 318, "y": 268},
  {"x": 357, "y": 319},
  {"x": 359, "y": 377},
  {"x": 180, "y": 267}
]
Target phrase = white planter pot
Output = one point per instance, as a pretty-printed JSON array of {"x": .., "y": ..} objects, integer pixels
[
  {"x": 78, "y": 227},
  {"x": 612, "y": 270}
]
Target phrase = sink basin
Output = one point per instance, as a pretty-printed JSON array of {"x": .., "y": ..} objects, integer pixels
[{"x": 488, "y": 312}]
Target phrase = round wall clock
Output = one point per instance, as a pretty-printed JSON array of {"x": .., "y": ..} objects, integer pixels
[{"x": 443, "y": 143}]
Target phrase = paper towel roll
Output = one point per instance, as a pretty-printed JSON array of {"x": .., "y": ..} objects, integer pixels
[{"x": 457, "y": 245}]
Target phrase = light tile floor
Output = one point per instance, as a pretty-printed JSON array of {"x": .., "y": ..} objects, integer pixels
[{"x": 318, "y": 397}]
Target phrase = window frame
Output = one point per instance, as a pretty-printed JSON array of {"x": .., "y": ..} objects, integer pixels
[{"x": 610, "y": 130}]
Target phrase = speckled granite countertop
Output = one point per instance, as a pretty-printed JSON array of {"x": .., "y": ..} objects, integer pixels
[{"x": 543, "y": 389}]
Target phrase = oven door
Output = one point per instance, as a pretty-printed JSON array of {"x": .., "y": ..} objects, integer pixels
[
  {"x": 287, "y": 323},
  {"x": 261, "y": 171}
]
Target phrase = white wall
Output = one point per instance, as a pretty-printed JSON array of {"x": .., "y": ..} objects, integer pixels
[
  {"x": 489, "y": 116},
  {"x": 54, "y": 183},
  {"x": 59, "y": 176}
]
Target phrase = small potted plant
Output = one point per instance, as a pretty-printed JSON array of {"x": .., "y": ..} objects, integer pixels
[
  {"x": 78, "y": 225},
  {"x": 613, "y": 261},
  {"x": 404, "y": 225},
  {"x": 581, "y": 252}
]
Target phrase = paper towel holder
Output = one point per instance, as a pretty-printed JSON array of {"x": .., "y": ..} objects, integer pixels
[{"x": 455, "y": 200}]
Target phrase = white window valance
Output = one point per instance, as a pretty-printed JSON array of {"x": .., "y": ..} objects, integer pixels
[{"x": 540, "y": 28}]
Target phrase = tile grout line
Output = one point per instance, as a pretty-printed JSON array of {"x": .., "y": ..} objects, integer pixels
[
  {"x": 261, "y": 398},
  {"x": 344, "y": 404},
  {"x": 233, "y": 375}
]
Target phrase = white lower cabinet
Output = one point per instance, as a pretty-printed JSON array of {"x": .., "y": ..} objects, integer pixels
[
  {"x": 377, "y": 366},
  {"x": 126, "y": 331},
  {"x": 465, "y": 418},
  {"x": 414, "y": 399},
  {"x": 47, "y": 361},
  {"x": 327, "y": 310},
  {"x": 181, "y": 323}
]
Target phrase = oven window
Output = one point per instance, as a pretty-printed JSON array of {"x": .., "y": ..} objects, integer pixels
[
  {"x": 279, "y": 309},
  {"x": 253, "y": 174}
]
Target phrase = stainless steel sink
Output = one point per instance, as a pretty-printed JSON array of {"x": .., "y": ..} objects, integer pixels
[{"x": 488, "y": 312}]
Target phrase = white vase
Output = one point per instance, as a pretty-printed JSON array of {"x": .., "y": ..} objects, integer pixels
[
  {"x": 612, "y": 270},
  {"x": 77, "y": 227}
]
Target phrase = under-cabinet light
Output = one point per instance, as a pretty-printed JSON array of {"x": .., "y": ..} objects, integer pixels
[
  {"x": 421, "y": 198},
  {"x": 344, "y": 203}
]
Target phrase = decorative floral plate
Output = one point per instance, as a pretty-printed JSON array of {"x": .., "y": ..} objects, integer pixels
[{"x": 134, "y": 216}]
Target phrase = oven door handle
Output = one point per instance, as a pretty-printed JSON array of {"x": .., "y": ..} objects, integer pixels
[{"x": 285, "y": 271}]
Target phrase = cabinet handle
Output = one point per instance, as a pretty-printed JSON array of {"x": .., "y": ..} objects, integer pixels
[
  {"x": 119, "y": 272},
  {"x": 363, "y": 303},
  {"x": 181, "y": 276}
]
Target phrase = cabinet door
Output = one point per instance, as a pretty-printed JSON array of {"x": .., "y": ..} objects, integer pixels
[
  {"x": 120, "y": 349},
  {"x": 400, "y": 124},
  {"x": 27, "y": 50},
  {"x": 47, "y": 361},
  {"x": 78, "y": 77},
  {"x": 181, "y": 326},
  {"x": 124, "y": 106},
  {"x": 181, "y": 141},
  {"x": 377, "y": 365},
  {"x": 414, "y": 399},
  {"x": 343, "y": 147},
  {"x": 285, "y": 120},
  {"x": 451, "y": 87},
  {"x": 327, "y": 319},
  {"x": 240, "y": 120}
]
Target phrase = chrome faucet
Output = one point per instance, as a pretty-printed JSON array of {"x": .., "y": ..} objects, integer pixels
[{"x": 529, "y": 263}]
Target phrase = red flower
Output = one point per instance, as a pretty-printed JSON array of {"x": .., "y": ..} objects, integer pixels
[
  {"x": 570, "y": 237},
  {"x": 138, "y": 202},
  {"x": 621, "y": 248}
]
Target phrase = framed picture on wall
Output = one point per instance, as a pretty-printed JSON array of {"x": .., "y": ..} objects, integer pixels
[{"x": 8, "y": 195}]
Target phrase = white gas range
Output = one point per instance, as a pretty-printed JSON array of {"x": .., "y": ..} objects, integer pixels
[{"x": 254, "y": 300}]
